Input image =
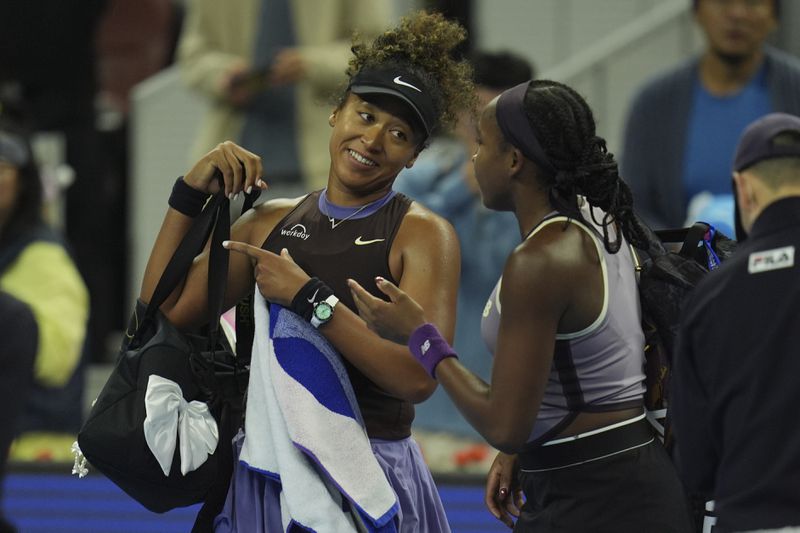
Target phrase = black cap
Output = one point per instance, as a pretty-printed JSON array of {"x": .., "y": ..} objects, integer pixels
[
  {"x": 756, "y": 144},
  {"x": 13, "y": 150},
  {"x": 401, "y": 84}
]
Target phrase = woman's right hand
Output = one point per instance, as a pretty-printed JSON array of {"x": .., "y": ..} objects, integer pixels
[
  {"x": 395, "y": 320},
  {"x": 241, "y": 170},
  {"x": 503, "y": 494}
]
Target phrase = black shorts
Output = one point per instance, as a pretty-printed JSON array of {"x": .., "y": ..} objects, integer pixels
[{"x": 637, "y": 491}]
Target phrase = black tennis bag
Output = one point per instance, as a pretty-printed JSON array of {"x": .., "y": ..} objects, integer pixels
[
  {"x": 667, "y": 274},
  {"x": 113, "y": 440},
  {"x": 203, "y": 366}
]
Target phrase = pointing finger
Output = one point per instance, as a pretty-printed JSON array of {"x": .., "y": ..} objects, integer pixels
[
  {"x": 285, "y": 254},
  {"x": 244, "y": 248},
  {"x": 358, "y": 293},
  {"x": 366, "y": 302},
  {"x": 366, "y": 298},
  {"x": 388, "y": 288}
]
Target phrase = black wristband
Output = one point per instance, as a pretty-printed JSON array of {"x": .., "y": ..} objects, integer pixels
[
  {"x": 313, "y": 291},
  {"x": 186, "y": 199}
]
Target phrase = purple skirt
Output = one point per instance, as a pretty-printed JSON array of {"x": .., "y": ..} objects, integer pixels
[
  {"x": 420, "y": 506},
  {"x": 252, "y": 502}
]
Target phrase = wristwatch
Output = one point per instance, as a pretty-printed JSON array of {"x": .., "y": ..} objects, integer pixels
[{"x": 323, "y": 311}]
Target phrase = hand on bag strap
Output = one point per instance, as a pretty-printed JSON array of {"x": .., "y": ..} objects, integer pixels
[{"x": 214, "y": 217}]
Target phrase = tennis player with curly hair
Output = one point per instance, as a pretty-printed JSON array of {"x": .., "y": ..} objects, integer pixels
[{"x": 403, "y": 87}]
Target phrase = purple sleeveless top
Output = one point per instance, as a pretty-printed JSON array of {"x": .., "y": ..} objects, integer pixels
[{"x": 600, "y": 368}]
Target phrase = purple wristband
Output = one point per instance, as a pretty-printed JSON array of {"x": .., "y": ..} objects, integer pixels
[{"x": 429, "y": 348}]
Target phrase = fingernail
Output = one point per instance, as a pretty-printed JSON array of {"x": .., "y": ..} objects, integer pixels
[
  {"x": 503, "y": 492},
  {"x": 249, "y": 189},
  {"x": 226, "y": 244},
  {"x": 379, "y": 279},
  {"x": 236, "y": 196},
  {"x": 230, "y": 196}
]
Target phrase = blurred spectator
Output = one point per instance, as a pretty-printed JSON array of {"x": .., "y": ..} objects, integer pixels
[
  {"x": 266, "y": 67},
  {"x": 443, "y": 179},
  {"x": 47, "y": 66},
  {"x": 684, "y": 124},
  {"x": 37, "y": 278},
  {"x": 135, "y": 40}
]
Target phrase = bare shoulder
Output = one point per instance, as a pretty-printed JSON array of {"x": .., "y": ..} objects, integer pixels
[
  {"x": 550, "y": 253},
  {"x": 422, "y": 224},
  {"x": 562, "y": 266},
  {"x": 256, "y": 224},
  {"x": 425, "y": 240}
]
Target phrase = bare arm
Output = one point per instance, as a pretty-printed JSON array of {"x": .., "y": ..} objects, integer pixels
[
  {"x": 185, "y": 307},
  {"x": 535, "y": 294},
  {"x": 533, "y": 298}
]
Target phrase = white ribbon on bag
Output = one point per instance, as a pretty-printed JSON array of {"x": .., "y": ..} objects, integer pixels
[{"x": 169, "y": 416}]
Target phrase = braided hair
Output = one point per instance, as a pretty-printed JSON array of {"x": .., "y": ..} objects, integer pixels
[{"x": 565, "y": 128}]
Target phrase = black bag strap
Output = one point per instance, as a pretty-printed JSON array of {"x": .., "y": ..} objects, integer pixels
[
  {"x": 191, "y": 245},
  {"x": 689, "y": 238},
  {"x": 218, "y": 270},
  {"x": 245, "y": 329},
  {"x": 215, "y": 216},
  {"x": 674, "y": 235},
  {"x": 245, "y": 326},
  {"x": 245, "y": 322}
]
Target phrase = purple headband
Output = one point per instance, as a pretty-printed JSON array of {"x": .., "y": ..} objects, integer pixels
[{"x": 516, "y": 128}]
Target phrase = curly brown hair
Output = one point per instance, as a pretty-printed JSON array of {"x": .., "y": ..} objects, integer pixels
[{"x": 424, "y": 43}]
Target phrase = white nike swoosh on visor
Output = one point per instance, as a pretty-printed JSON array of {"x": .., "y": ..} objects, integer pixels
[
  {"x": 361, "y": 242},
  {"x": 398, "y": 81}
]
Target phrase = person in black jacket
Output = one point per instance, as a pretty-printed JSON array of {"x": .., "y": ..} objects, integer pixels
[{"x": 735, "y": 387}]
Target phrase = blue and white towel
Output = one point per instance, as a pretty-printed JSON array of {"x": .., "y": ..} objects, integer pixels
[{"x": 304, "y": 432}]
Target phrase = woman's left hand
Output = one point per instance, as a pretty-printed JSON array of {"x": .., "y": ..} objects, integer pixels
[
  {"x": 278, "y": 276},
  {"x": 395, "y": 320},
  {"x": 503, "y": 493}
]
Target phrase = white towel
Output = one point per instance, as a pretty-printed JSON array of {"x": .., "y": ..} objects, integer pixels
[{"x": 303, "y": 428}]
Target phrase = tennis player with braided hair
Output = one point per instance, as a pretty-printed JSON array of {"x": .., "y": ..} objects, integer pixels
[
  {"x": 564, "y": 404},
  {"x": 403, "y": 87}
]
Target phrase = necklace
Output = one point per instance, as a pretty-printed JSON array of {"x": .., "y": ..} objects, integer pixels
[
  {"x": 326, "y": 208},
  {"x": 351, "y": 215}
]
